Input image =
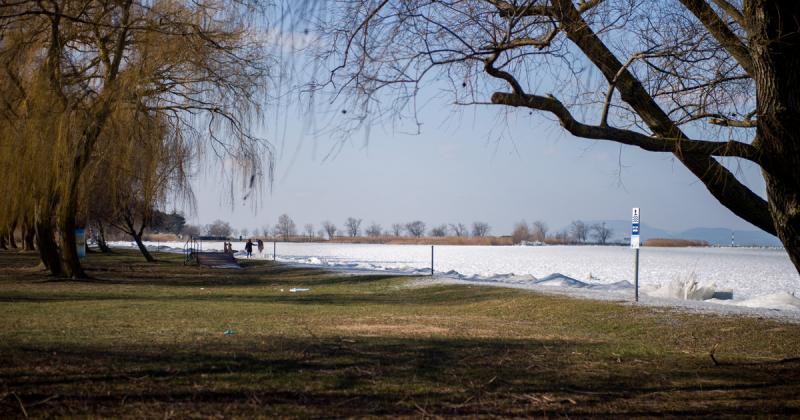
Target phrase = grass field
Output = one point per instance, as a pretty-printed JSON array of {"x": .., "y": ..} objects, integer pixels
[{"x": 146, "y": 340}]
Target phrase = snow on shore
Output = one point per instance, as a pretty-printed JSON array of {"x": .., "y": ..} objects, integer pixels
[{"x": 719, "y": 278}]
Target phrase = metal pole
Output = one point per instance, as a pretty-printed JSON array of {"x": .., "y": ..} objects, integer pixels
[
  {"x": 274, "y": 247},
  {"x": 431, "y": 259},
  {"x": 636, "y": 275}
]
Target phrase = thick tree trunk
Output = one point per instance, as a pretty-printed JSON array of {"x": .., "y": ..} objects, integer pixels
[
  {"x": 774, "y": 36},
  {"x": 66, "y": 226},
  {"x": 45, "y": 241},
  {"x": 3, "y": 241}
]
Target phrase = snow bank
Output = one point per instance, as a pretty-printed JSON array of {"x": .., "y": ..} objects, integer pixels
[{"x": 781, "y": 301}]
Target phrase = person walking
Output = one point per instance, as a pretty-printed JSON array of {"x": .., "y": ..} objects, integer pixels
[
  {"x": 248, "y": 247},
  {"x": 260, "y": 246}
]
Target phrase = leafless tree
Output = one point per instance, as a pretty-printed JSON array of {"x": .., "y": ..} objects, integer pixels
[
  {"x": 219, "y": 228},
  {"x": 480, "y": 229},
  {"x": 374, "y": 230},
  {"x": 416, "y": 228},
  {"x": 439, "y": 231},
  {"x": 285, "y": 228},
  {"x": 520, "y": 232},
  {"x": 397, "y": 229},
  {"x": 539, "y": 231},
  {"x": 244, "y": 232},
  {"x": 578, "y": 230},
  {"x": 713, "y": 82},
  {"x": 459, "y": 229},
  {"x": 562, "y": 236},
  {"x": 353, "y": 226},
  {"x": 601, "y": 233},
  {"x": 309, "y": 231},
  {"x": 330, "y": 229},
  {"x": 191, "y": 231}
]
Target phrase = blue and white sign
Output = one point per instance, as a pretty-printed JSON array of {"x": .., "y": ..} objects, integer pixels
[{"x": 635, "y": 228}]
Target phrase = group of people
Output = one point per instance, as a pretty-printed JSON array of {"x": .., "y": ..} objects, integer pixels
[{"x": 248, "y": 247}]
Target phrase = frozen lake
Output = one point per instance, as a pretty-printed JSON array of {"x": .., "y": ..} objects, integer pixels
[{"x": 748, "y": 272}]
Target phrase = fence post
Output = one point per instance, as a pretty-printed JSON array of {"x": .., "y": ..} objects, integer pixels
[
  {"x": 431, "y": 260},
  {"x": 636, "y": 276},
  {"x": 274, "y": 248}
]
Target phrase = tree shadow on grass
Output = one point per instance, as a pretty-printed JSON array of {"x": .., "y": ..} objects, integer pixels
[{"x": 358, "y": 376}]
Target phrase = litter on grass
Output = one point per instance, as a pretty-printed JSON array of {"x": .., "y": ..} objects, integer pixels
[{"x": 298, "y": 289}]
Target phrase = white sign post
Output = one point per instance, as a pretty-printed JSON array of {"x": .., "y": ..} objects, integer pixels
[{"x": 635, "y": 217}]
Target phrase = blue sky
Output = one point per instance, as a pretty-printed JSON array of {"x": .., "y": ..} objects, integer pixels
[{"x": 468, "y": 163}]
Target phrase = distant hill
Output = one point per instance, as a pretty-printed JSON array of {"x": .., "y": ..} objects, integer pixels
[{"x": 715, "y": 236}]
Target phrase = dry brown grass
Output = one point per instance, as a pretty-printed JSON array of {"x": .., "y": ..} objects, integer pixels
[
  {"x": 162, "y": 237},
  {"x": 664, "y": 242}
]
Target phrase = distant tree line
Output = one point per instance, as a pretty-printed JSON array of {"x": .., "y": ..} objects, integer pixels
[
  {"x": 285, "y": 229},
  {"x": 578, "y": 232}
]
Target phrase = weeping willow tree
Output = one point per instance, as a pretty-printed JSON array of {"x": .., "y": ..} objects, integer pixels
[
  {"x": 30, "y": 121},
  {"x": 133, "y": 179},
  {"x": 77, "y": 71}
]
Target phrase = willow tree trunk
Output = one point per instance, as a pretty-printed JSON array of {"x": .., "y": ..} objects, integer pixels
[
  {"x": 143, "y": 249},
  {"x": 137, "y": 236},
  {"x": 101, "y": 239},
  {"x": 28, "y": 235},
  {"x": 66, "y": 226},
  {"x": 45, "y": 233},
  {"x": 45, "y": 241},
  {"x": 11, "y": 241},
  {"x": 774, "y": 32}
]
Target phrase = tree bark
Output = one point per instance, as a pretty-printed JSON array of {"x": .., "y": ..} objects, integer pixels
[
  {"x": 101, "y": 239},
  {"x": 774, "y": 37},
  {"x": 66, "y": 226},
  {"x": 28, "y": 235},
  {"x": 137, "y": 237},
  {"x": 11, "y": 241},
  {"x": 143, "y": 249},
  {"x": 3, "y": 241},
  {"x": 45, "y": 241}
]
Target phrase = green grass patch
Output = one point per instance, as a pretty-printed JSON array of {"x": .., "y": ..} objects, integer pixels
[{"x": 147, "y": 340}]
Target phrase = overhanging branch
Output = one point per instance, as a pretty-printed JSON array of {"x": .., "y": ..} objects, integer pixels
[{"x": 679, "y": 146}]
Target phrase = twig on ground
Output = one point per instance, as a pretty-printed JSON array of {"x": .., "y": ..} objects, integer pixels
[
  {"x": 21, "y": 406},
  {"x": 43, "y": 401},
  {"x": 711, "y": 353}
]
